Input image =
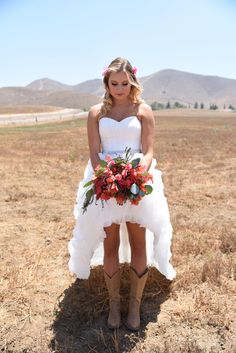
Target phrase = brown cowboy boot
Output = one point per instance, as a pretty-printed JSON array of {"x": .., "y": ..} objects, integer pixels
[
  {"x": 137, "y": 285},
  {"x": 113, "y": 286}
]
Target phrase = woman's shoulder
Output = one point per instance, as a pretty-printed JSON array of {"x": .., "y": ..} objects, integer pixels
[
  {"x": 94, "y": 111},
  {"x": 145, "y": 111}
]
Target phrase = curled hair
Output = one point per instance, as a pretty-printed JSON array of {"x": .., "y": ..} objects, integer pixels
[{"x": 120, "y": 65}]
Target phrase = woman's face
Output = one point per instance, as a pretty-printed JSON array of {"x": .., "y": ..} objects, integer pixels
[{"x": 119, "y": 85}]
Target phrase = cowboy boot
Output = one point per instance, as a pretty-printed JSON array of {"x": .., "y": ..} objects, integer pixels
[
  {"x": 137, "y": 284},
  {"x": 113, "y": 287}
]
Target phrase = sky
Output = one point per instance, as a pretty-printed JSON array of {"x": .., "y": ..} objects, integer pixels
[{"x": 71, "y": 41}]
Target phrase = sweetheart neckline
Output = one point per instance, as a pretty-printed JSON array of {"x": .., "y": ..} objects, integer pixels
[{"x": 119, "y": 121}]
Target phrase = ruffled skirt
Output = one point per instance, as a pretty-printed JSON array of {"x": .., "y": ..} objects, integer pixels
[{"x": 86, "y": 246}]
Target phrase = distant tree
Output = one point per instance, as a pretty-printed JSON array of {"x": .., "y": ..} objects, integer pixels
[
  {"x": 154, "y": 105},
  {"x": 213, "y": 107},
  {"x": 202, "y": 106},
  {"x": 178, "y": 105},
  {"x": 160, "y": 106},
  {"x": 157, "y": 106},
  {"x": 231, "y": 107},
  {"x": 168, "y": 106},
  {"x": 196, "y": 105}
]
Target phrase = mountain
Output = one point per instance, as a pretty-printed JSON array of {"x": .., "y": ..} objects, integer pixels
[
  {"x": 91, "y": 86},
  {"x": 162, "y": 86},
  {"x": 70, "y": 99},
  {"x": 187, "y": 88},
  {"x": 94, "y": 87},
  {"x": 46, "y": 84},
  {"x": 13, "y": 96}
]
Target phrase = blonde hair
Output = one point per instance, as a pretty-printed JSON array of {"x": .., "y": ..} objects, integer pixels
[{"x": 120, "y": 65}]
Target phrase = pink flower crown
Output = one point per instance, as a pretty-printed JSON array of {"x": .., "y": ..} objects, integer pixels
[{"x": 104, "y": 71}]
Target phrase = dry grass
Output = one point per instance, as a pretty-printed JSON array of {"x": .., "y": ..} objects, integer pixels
[{"x": 44, "y": 309}]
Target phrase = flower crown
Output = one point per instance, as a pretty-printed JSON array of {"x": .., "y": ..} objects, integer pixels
[{"x": 105, "y": 70}]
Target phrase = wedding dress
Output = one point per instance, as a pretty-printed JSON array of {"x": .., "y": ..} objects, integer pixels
[{"x": 86, "y": 246}]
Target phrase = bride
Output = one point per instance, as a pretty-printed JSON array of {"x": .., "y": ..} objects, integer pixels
[{"x": 140, "y": 234}]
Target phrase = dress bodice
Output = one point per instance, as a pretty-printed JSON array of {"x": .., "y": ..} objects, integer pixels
[{"x": 117, "y": 135}]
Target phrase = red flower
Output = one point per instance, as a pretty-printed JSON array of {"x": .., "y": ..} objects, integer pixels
[
  {"x": 120, "y": 199},
  {"x": 118, "y": 177}
]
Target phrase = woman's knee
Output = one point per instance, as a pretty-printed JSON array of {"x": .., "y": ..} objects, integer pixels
[
  {"x": 137, "y": 239},
  {"x": 112, "y": 241},
  {"x": 111, "y": 246}
]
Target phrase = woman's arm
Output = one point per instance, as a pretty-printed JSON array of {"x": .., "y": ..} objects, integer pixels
[
  {"x": 94, "y": 141},
  {"x": 147, "y": 135}
]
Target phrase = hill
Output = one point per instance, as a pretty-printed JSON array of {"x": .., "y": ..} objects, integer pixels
[
  {"x": 162, "y": 86},
  {"x": 15, "y": 96},
  {"x": 188, "y": 88}
]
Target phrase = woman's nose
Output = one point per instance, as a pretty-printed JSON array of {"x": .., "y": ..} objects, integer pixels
[{"x": 119, "y": 88}]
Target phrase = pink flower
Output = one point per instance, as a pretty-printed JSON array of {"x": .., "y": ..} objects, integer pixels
[
  {"x": 128, "y": 166},
  {"x": 104, "y": 71},
  {"x": 134, "y": 70},
  {"x": 107, "y": 172},
  {"x": 111, "y": 163},
  {"x": 118, "y": 177},
  {"x": 114, "y": 188},
  {"x": 110, "y": 179},
  {"x": 108, "y": 158}
]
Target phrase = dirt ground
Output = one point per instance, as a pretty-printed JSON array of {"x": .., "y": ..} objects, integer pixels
[{"x": 45, "y": 309}]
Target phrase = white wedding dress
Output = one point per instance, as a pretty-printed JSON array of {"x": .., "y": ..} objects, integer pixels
[{"x": 86, "y": 246}]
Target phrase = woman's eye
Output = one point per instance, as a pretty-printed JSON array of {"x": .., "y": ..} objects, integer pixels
[{"x": 123, "y": 84}]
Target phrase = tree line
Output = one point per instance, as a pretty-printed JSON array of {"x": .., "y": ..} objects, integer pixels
[{"x": 158, "y": 106}]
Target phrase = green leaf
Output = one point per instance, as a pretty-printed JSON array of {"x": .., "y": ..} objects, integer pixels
[
  {"x": 135, "y": 162},
  {"x": 89, "y": 197},
  {"x": 88, "y": 184},
  {"x": 148, "y": 189},
  {"x": 127, "y": 153},
  {"x": 103, "y": 163},
  {"x": 89, "y": 194}
]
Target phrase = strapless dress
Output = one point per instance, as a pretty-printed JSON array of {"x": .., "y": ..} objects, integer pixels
[{"x": 152, "y": 212}]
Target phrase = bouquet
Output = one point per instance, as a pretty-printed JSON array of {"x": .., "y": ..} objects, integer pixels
[{"x": 119, "y": 178}]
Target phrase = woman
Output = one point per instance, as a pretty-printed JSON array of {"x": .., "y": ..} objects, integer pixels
[{"x": 140, "y": 233}]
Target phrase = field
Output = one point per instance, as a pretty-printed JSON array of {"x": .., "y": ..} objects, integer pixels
[
  {"x": 24, "y": 109},
  {"x": 45, "y": 309}
]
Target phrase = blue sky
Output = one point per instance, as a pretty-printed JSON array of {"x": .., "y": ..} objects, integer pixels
[{"x": 72, "y": 40}]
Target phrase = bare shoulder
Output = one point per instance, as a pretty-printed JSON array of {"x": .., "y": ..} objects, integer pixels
[
  {"x": 145, "y": 112},
  {"x": 94, "y": 111}
]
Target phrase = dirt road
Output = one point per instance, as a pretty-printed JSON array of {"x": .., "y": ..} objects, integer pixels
[{"x": 29, "y": 118}]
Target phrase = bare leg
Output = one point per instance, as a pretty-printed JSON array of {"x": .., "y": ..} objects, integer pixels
[
  {"x": 137, "y": 241},
  {"x": 111, "y": 249}
]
